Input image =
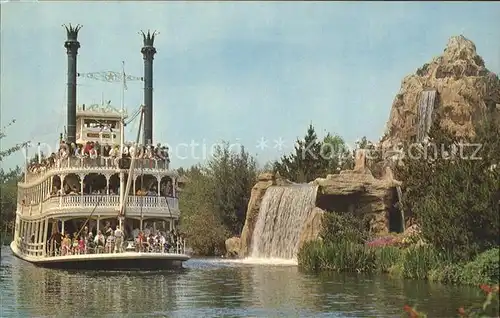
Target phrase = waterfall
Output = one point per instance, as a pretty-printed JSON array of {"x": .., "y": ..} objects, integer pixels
[
  {"x": 282, "y": 215},
  {"x": 425, "y": 110}
]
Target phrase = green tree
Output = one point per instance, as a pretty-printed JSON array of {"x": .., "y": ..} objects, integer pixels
[
  {"x": 8, "y": 186},
  {"x": 313, "y": 157},
  {"x": 203, "y": 227},
  {"x": 215, "y": 199},
  {"x": 454, "y": 198}
]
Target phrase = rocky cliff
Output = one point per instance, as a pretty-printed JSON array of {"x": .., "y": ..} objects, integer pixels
[
  {"x": 352, "y": 191},
  {"x": 264, "y": 181},
  {"x": 465, "y": 92}
]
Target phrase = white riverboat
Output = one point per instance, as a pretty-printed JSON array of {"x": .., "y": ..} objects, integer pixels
[{"x": 99, "y": 202}]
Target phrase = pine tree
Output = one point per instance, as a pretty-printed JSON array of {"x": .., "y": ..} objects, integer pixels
[{"x": 312, "y": 157}]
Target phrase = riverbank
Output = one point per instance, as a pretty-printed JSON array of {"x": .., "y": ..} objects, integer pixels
[{"x": 414, "y": 262}]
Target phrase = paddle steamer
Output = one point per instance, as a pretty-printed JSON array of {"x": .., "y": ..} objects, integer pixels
[{"x": 97, "y": 184}]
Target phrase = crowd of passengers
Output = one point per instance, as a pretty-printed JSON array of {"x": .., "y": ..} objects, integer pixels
[
  {"x": 113, "y": 240},
  {"x": 165, "y": 191},
  {"x": 94, "y": 150}
]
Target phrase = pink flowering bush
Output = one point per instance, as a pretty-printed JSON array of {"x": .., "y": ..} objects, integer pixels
[{"x": 383, "y": 241}]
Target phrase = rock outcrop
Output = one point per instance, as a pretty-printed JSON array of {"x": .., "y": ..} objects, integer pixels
[
  {"x": 264, "y": 181},
  {"x": 312, "y": 226},
  {"x": 232, "y": 247},
  {"x": 466, "y": 92},
  {"x": 360, "y": 193},
  {"x": 352, "y": 191}
]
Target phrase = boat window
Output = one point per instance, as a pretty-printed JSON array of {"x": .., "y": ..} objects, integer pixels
[{"x": 95, "y": 123}]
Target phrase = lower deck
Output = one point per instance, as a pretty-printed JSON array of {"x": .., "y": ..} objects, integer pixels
[
  {"x": 107, "y": 261},
  {"x": 51, "y": 237}
]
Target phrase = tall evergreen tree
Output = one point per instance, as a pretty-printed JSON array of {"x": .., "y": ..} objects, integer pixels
[{"x": 312, "y": 157}]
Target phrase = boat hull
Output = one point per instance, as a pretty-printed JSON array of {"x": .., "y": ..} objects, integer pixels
[{"x": 120, "y": 261}]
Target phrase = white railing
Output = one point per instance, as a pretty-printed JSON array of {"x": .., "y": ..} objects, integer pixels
[
  {"x": 176, "y": 247},
  {"x": 75, "y": 163},
  {"x": 91, "y": 201},
  {"x": 31, "y": 249}
]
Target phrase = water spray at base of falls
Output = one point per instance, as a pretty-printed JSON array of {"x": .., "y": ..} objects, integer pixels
[{"x": 282, "y": 215}]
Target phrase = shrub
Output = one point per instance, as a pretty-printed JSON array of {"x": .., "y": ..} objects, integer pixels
[
  {"x": 417, "y": 261},
  {"x": 338, "y": 227},
  {"x": 310, "y": 255},
  {"x": 383, "y": 241},
  {"x": 448, "y": 274},
  {"x": 484, "y": 269},
  {"x": 455, "y": 200},
  {"x": 387, "y": 258},
  {"x": 342, "y": 256}
]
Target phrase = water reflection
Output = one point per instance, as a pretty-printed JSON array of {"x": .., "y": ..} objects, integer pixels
[
  {"x": 215, "y": 288},
  {"x": 39, "y": 291}
]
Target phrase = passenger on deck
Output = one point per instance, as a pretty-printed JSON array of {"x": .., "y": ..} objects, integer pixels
[
  {"x": 110, "y": 243},
  {"x": 89, "y": 242},
  {"x": 107, "y": 229},
  {"x": 163, "y": 242},
  {"x": 74, "y": 243},
  {"x": 81, "y": 245},
  {"x": 118, "y": 240},
  {"x": 99, "y": 240},
  {"x": 142, "y": 242},
  {"x": 66, "y": 245},
  {"x": 93, "y": 153},
  {"x": 135, "y": 232}
]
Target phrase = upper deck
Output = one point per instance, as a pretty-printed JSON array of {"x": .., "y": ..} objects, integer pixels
[{"x": 82, "y": 165}]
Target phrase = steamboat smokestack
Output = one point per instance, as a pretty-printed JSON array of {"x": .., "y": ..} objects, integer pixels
[
  {"x": 72, "y": 45},
  {"x": 148, "y": 51}
]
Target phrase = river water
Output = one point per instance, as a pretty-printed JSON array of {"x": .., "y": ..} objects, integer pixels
[{"x": 217, "y": 288}]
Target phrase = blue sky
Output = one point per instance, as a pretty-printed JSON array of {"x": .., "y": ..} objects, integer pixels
[{"x": 232, "y": 71}]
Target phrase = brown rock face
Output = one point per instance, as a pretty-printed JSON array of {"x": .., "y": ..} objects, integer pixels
[
  {"x": 232, "y": 247},
  {"x": 312, "y": 226},
  {"x": 265, "y": 180},
  {"x": 465, "y": 92},
  {"x": 359, "y": 193},
  {"x": 352, "y": 191}
]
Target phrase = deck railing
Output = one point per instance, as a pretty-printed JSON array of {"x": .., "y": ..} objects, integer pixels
[
  {"x": 177, "y": 247},
  {"x": 91, "y": 201},
  {"x": 30, "y": 249},
  {"x": 98, "y": 163}
]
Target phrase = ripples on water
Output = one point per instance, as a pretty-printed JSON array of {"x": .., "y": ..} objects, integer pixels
[{"x": 216, "y": 288}]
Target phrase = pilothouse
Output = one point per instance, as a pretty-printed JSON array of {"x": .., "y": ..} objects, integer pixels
[{"x": 101, "y": 202}]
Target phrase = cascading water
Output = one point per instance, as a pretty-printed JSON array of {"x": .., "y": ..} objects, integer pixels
[
  {"x": 282, "y": 214},
  {"x": 425, "y": 110}
]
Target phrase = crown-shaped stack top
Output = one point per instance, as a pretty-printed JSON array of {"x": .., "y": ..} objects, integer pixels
[
  {"x": 72, "y": 31},
  {"x": 149, "y": 37}
]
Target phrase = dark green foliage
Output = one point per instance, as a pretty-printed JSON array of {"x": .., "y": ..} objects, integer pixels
[
  {"x": 484, "y": 269},
  {"x": 215, "y": 199},
  {"x": 8, "y": 199},
  {"x": 343, "y": 256},
  {"x": 456, "y": 200},
  {"x": 417, "y": 261},
  {"x": 313, "y": 157},
  {"x": 8, "y": 187},
  {"x": 338, "y": 227}
]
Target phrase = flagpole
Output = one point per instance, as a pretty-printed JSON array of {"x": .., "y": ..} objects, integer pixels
[{"x": 122, "y": 141}]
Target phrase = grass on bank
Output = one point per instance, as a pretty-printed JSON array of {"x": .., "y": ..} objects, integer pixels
[{"x": 414, "y": 262}]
